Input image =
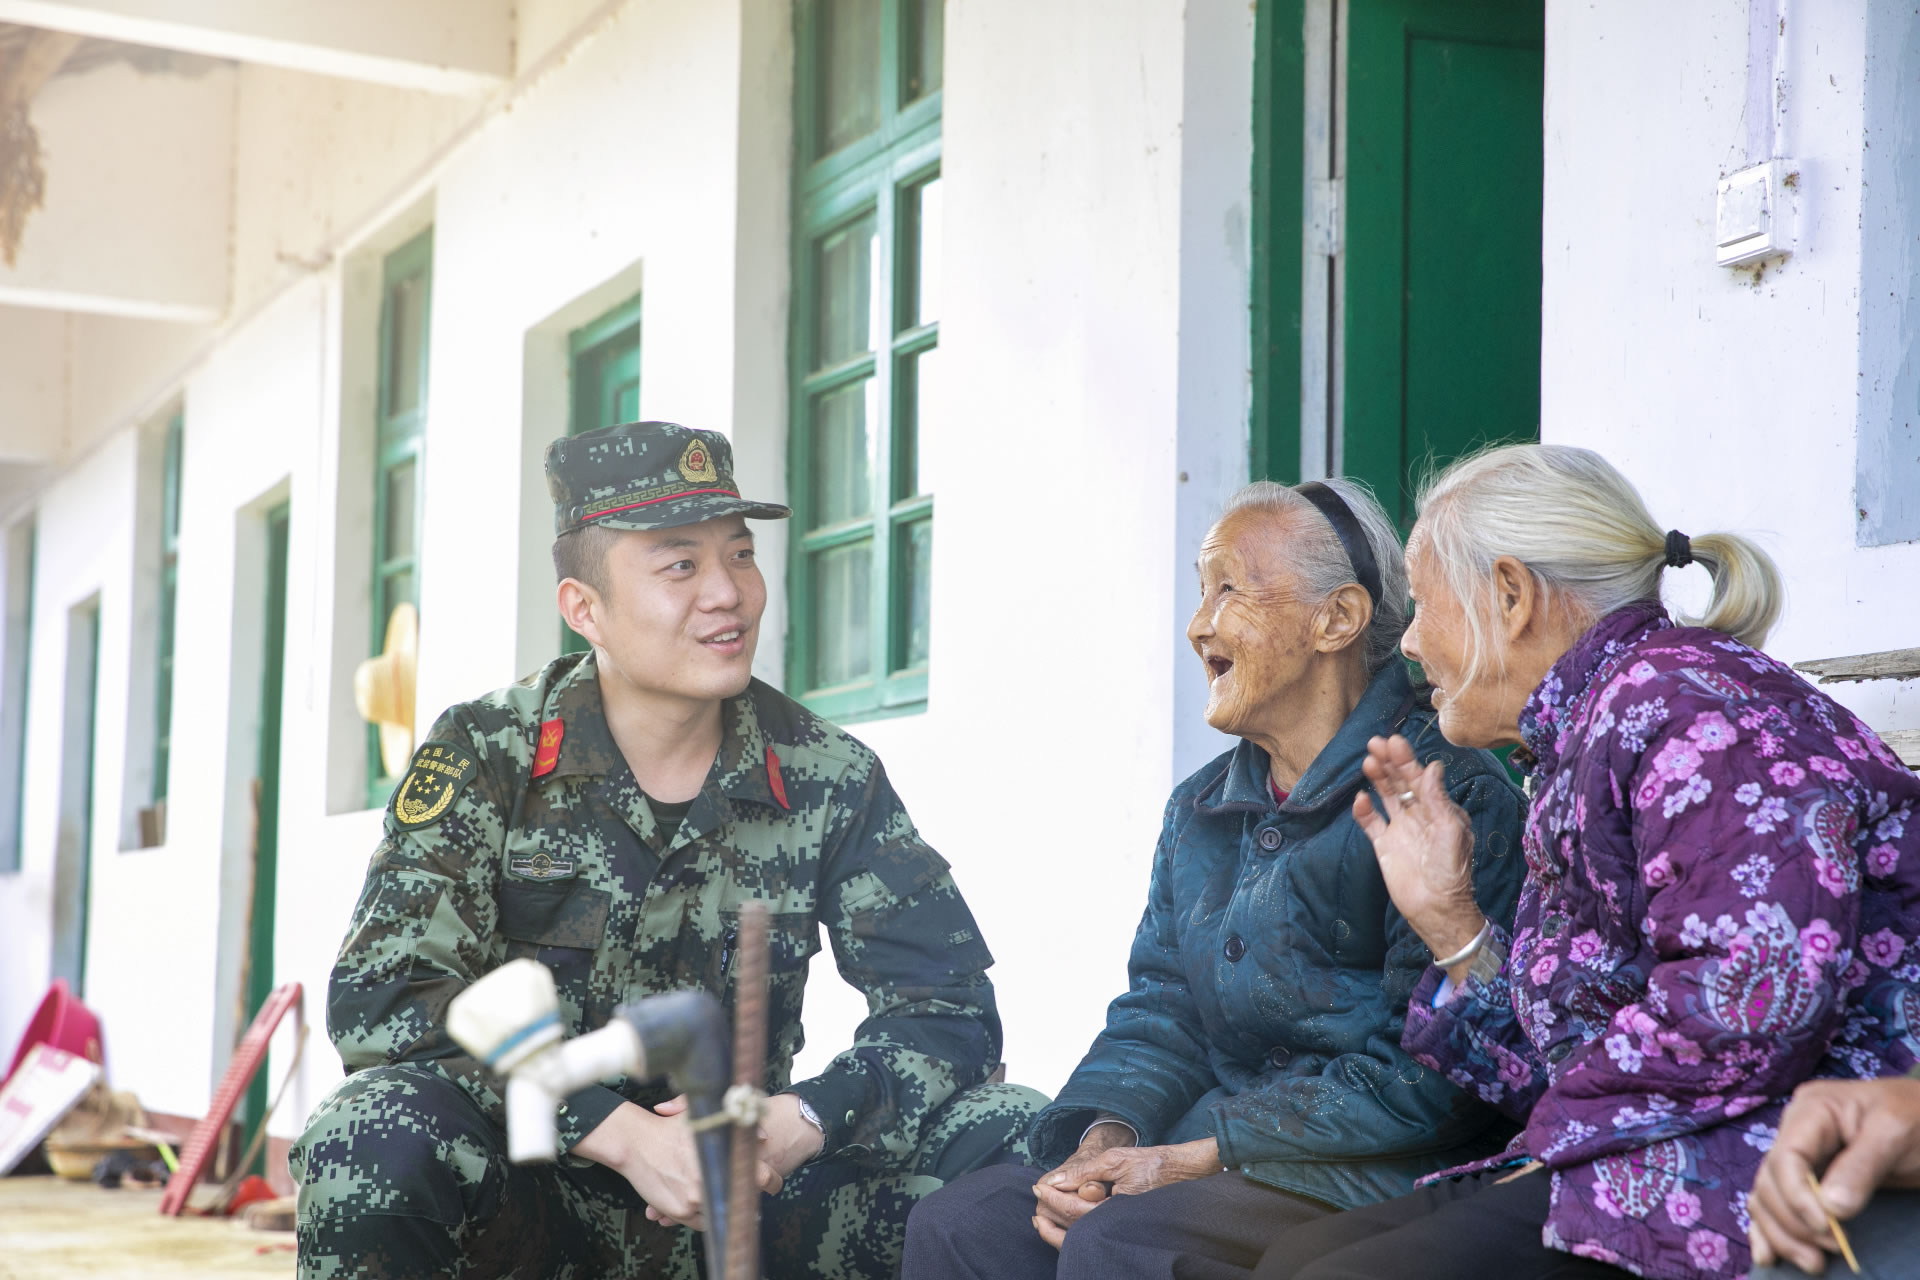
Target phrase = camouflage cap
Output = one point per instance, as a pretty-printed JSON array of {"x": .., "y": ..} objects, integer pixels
[{"x": 646, "y": 475}]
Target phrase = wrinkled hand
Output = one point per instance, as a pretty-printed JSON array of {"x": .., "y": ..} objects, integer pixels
[
  {"x": 1093, "y": 1173},
  {"x": 1864, "y": 1133},
  {"x": 1424, "y": 844},
  {"x": 654, "y": 1151}
]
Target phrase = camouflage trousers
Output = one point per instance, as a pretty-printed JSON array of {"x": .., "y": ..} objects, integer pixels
[{"x": 401, "y": 1175}]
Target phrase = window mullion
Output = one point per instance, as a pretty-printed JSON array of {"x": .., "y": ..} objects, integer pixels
[{"x": 886, "y": 290}]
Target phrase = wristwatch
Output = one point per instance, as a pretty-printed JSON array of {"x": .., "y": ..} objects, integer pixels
[{"x": 811, "y": 1116}]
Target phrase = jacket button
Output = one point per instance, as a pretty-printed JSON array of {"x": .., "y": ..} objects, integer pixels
[
  {"x": 1235, "y": 948},
  {"x": 1553, "y": 926},
  {"x": 1280, "y": 1056},
  {"x": 850, "y": 1118},
  {"x": 1269, "y": 839},
  {"x": 1559, "y": 1052}
]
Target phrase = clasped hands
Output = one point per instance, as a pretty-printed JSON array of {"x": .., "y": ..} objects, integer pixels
[
  {"x": 1104, "y": 1166},
  {"x": 654, "y": 1151}
]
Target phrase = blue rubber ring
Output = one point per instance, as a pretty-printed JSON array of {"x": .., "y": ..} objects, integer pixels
[{"x": 507, "y": 1046}]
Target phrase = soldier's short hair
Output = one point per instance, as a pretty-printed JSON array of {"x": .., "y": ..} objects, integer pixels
[{"x": 581, "y": 554}]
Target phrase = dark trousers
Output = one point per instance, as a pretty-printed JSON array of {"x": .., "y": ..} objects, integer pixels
[
  {"x": 402, "y": 1177},
  {"x": 981, "y": 1228},
  {"x": 1456, "y": 1229},
  {"x": 1885, "y": 1239}
]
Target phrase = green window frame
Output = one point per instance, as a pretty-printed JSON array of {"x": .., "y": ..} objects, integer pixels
[
  {"x": 864, "y": 336},
  {"x": 399, "y": 478},
  {"x": 604, "y": 363},
  {"x": 169, "y": 595},
  {"x": 13, "y": 702}
]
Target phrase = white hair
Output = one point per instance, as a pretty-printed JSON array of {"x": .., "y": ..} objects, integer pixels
[
  {"x": 1321, "y": 562},
  {"x": 1583, "y": 531}
]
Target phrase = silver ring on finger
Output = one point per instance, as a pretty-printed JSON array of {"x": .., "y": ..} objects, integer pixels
[{"x": 1406, "y": 797}]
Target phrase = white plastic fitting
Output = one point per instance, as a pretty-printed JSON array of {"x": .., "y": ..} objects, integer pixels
[{"x": 510, "y": 1020}]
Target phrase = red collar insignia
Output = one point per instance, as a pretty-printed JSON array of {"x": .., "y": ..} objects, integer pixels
[
  {"x": 548, "y": 756},
  {"x": 774, "y": 779}
]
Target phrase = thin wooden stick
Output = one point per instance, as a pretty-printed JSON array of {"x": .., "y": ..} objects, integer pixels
[{"x": 1833, "y": 1224}]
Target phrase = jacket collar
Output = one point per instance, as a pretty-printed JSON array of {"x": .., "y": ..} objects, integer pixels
[
  {"x": 1334, "y": 775},
  {"x": 1544, "y": 719},
  {"x": 746, "y": 767}
]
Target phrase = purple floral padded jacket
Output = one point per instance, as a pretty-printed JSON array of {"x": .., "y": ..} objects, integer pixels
[{"x": 1722, "y": 900}]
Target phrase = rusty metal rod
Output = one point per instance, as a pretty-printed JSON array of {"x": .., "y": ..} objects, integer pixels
[{"x": 749, "y": 1072}]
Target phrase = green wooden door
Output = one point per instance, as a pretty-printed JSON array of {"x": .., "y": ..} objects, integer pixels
[
  {"x": 1442, "y": 235},
  {"x": 266, "y": 862}
]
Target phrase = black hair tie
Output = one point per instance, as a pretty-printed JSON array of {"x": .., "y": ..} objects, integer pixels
[{"x": 1679, "y": 549}]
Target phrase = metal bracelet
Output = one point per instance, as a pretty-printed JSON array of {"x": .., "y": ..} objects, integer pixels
[{"x": 1470, "y": 950}]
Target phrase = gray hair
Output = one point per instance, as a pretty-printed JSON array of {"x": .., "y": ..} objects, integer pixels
[
  {"x": 1583, "y": 531},
  {"x": 1322, "y": 564}
]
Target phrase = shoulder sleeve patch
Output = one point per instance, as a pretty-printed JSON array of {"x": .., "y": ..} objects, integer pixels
[{"x": 439, "y": 773}]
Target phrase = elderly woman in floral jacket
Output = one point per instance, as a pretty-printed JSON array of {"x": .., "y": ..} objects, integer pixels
[{"x": 1722, "y": 901}]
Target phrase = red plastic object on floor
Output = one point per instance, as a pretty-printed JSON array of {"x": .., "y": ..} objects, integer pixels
[
  {"x": 246, "y": 1061},
  {"x": 252, "y": 1190},
  {"x": 63, "y": 1022}
]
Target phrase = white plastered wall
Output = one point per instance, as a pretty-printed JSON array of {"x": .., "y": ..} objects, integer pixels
[{"x": 1729, "y": 397}]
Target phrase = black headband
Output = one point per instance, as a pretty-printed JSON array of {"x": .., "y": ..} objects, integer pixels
[{"x": 1347, "y": 528}]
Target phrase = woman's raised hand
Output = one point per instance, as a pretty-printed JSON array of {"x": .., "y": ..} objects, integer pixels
[{"x": 1424, "y": 843}]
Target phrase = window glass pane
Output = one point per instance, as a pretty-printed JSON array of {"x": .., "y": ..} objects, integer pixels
[
  {"x": 840, "y": 599},
  {"x": 406, "y": 335},
  {"x": 843, "y": 452},
  {"x": 844, "y": 314},
  {"x": 916, "y": 594},
  {"x": 626, "y": 402},
  {"x": 919, "y": 379},
  {"x": 849, "y": 71},
  {"x": 400, "y": 496},
  {"x": 921, "y": 254},
  {"x": 926, "y": 36}
]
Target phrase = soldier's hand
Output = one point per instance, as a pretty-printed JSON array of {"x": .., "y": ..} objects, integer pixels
[
  {"x": 787, "y": 1139},
  {"x": 1864, "y": 1133},
  {"x": 654, "y": 1151}
]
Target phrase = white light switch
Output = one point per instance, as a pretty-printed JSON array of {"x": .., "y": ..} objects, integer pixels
[{"x": 1753, "y": 218}]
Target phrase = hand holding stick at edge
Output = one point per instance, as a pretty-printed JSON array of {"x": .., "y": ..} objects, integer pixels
[{"x": 1839, "y": 1142}]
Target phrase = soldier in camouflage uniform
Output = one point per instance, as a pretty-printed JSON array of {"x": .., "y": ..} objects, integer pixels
[{"x": 524, "y": 827}]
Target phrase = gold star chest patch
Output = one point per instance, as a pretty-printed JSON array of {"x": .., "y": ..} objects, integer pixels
[{"x": 439, "y": 773}]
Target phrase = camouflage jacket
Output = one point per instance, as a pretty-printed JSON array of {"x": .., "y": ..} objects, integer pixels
[{"x": 520, "y": 831}]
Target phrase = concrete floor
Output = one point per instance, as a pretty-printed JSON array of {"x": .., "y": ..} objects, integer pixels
[{"x": 53, "y": 1228}]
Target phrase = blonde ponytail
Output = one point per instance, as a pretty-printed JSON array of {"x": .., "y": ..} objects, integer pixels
[{"x": 1747, "y": 591}]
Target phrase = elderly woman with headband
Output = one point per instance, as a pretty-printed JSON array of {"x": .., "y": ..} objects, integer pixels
[
  {"x": 1251, "y": 1075},
  {"x": 1722, "y": 896}
]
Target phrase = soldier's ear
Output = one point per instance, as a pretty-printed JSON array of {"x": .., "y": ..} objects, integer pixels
[{"x": 579, "y": 603}]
